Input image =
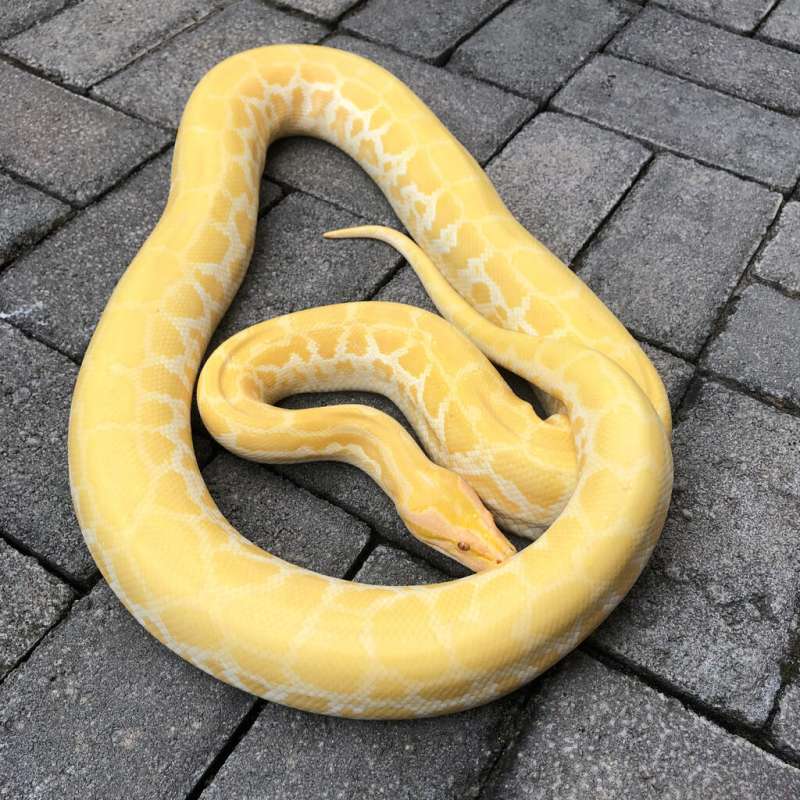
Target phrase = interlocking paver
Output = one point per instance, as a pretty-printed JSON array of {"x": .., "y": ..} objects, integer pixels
[
  {"x": 389, "y": 567},
  {"x": 158, "y": 85},
  {"x": 675, "y": 372},
  {"x": 31, "y": 601},
  {"x": 597, "y": 733},
  {"x": 758, "y": 344},
  {"x": 713, "y": 57},
  {"x": 101, "y": 709},
  {"x": 672, "y": 253},
  {"x": 25, "y": 215},
  {"x": 35, "y": 507},
  {"x": 678, "y": 115},
  {"x": 561, "y": 176},
  {"x": 783, "y": 25},
  {"x": 779, "y": 261},
  {"x": 713, "y": 612},
  {"x": 283, "y": 519},
  {"x": 426, "y": 33},
  {"x": 741, "y": 15},
  {"x": 17, "y": 16},
  {"x": 68, "y": 144},
  {"x": 88, "y": 41},
  {"x": 786, "y": 725},
  {"x": 326, "y": 10},
  {"x": 290, "y": 755},
  {"x": 533, "y": 48}
]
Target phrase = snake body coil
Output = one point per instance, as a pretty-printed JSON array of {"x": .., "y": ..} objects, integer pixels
[{"x": 598, "y": 471}]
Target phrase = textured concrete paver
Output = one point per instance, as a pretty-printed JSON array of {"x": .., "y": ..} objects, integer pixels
[
  {"x": 283, "y": 519},
  {"x": 90, "y": 40},
  {"x": 678, "y": 115},
  {"x": 389, "y": 567},
  {"x": 326, "y": 10},
  {"x": 35, "y": 505},
  {"x": 16, "y": 16},
  {"x": 25, "y": 215},
  {"x": 675, "y": 372},
  {"x": 682, "y": 226},
  {"x": 714, "y": 57},
  {"x": 783, "y": 25},
  {"x": 31, "y": 601},
  {"x": 779, "y": 261},
  {"x": 158, "y": 85},
  {"x": 786, "y": 725},
  {"x": 713, "y": 612},
  {"x": 533, "y": 48},
  {"x": 759, "y": 344},
  {"x": 740, "y": 15},
  {"x": 560, "y": 177},
  {"x": 427, "y": 33},
  {"x": 65, "y": 143},
  {"x": 101, "y": 709},
  {"x": 597, "y": 733}
]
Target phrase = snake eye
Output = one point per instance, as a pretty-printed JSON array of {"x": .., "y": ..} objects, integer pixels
[{"x": 463, "y": 546}]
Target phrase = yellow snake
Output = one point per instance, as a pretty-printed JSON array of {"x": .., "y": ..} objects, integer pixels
[{"x": 598, "y": 471}]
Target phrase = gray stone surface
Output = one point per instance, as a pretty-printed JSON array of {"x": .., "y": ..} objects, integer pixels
[
  {"x": 389, "y": 567},
  {"x": 675, "y": 372},
  {"x": 740, "y": 15},
  {"x": 672, "y": 253},
  {"x": 35, "y": 505},
  {"x": 88, "y": 41},
  {"x": 560, "y": 177},
  {"x": 779, "y": 261},
  {"x": 158, "y": 85},
  {"x": 533, "y": 48},
  {"x": 713, "y": 613},
  {"x": 689, "y": 119},
  {"x": 595, "y": 732},
  {"x": 70, "y": 145},
  {"x": 713, "y": 57},
  {"x": 786, "y": 725},
  {"x": 18, "y": 15},
  {"x": 427, "y": 32},
  {"x": 283, "y": 519},
  {"x": 326, "y": 10},
  {"x": 25, "y": 215},
  {"x": 758, "y": 345},
  {"x": 101, "y": 709},
  {"x": 783, "y": 25},
  {"x": 31, "y": 601}
]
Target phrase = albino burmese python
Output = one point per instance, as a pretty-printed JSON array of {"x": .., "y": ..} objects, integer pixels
[{"x": 598, "y": 471}]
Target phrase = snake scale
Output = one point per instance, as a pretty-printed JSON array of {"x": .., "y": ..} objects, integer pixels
[{"x": 590, "y": 482}]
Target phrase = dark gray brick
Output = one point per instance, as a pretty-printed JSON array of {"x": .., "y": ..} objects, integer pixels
[
  {"x": 292, "y": 755},
  {"x": 16, "y": 16},
  {"x": 681, "y": 116},
  {"x": 779, "y": 261},
  {"x": 101, "y": 709},
  {"x": 597, "y": 733},
  {"x": 481, "y": 117},
  {"x": 786, "y": 725},
  {"x": 68, "y": 144},
  {"x": 533, "y": 48},
  {"x": 31, "y": 601},
  {"x": 87, "y": 42},
  {"x": 672, "y": 253},
  {"x": 714, "y": 610},
  {"x": 560, "y": 177},
  {"x": 158, "y": 85},
  {"x": 25, "y": 215},
  {"x": 713, "y": 57},
  {"x": 35, "y": 506},
  {"x": 783, "y": 25},
  {"x": 423, "y": 32},
  {"x": 389, "y": 567},
  {"x": 675, "y": 372},
  {"x": 740, "y": 15},
  {"x": 285, "y": 520},
  {"x": 758, "y": 345},
  {"x": 327, "y": 10}
]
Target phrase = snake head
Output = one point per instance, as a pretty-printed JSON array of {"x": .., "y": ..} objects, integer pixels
[{"x": 453, "y": 520}]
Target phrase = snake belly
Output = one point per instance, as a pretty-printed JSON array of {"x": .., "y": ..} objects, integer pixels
[{"x": 280, "y": 631}]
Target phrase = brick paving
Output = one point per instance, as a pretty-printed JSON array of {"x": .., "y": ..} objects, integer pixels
[{"x": 655, "y": 146}]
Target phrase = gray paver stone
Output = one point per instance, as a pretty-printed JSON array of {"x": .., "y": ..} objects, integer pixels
[
  {"x": 740, "y": 15},
  {"x": 327, "y": 10},
  {"x": 779, "y": 261},
  {"x": 31, "y": 601},
  {"x": 68, "y": 144},
  {"x": 101, "y": 709},
  {"x": 675, "y": 372},
  {"x": 17, "y": 16},
  {"x": 786, "y": 725},
  {"x": 758, "y": 345},
  {"x": 672, "y": 253},
  {"x": 689, "y": 119},
  {"x": 533, "y": 48},
  {"x": 389, "y": 567},
  {"x": 713, "y": 57},
  {"x": 713, "y": 612},
  {"x": 158, "y": 85},
  {"x": 783, "y": 25},
  {"x": 89, "y": 41}
]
